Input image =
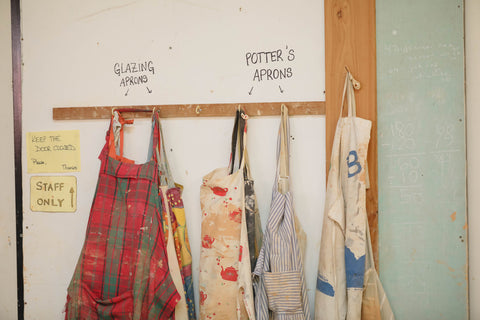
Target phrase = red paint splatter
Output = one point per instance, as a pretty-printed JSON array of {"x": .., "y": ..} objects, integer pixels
[
  {"x": 203, "y": 297},
  {"x": 207, "y": 241},
  {"x": 229, "y": 274},
  {"x": 235, "y": 215},
  {"x": 219, "y": 191},
  {"x": 241, "y": 253}
]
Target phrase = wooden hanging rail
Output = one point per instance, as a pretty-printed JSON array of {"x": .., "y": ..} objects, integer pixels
[{"x": 194, "y": 110}]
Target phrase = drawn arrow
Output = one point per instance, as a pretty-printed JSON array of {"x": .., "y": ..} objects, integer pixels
[
  {"x": 71, "y": 196},
  {"x": 149, "y": 91},
  {"x": 127, "y": 91},
  {"x": 250, "y": 92},
  {"x": 280, "y": 89}
]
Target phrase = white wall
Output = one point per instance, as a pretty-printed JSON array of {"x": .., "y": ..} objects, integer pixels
[
  {"x": 8, "y": 278},
  {"x": 198, "y": 49},
  {"x": 472, "y": 51}
]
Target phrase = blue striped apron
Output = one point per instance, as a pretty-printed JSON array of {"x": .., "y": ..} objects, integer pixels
[{"x": 279, "y": 279}]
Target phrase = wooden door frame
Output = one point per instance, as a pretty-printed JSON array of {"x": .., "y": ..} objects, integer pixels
[{"x": 17, "y": 134}]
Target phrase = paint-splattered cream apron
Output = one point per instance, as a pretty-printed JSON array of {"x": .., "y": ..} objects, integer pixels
[
  {"x": 224, "y": 279},
  {"x": 342, "y": 249}
]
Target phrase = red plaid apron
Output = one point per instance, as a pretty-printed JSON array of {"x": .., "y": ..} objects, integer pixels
[{"x": 122, "y": 272}]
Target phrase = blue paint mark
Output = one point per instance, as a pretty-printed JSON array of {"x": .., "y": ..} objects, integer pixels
[
  {"x": 352, "y": 163},
  {"x": 324, "y": 287},
  {"x": 355, "y": 269}
]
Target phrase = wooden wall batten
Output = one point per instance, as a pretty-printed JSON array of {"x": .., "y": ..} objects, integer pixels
[
  {"x": 193, "y": 110},
  {"x": 350, "y": 41}
]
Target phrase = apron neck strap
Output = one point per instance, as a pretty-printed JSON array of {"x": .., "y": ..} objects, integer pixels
[
  {"x": 349, "y": 94},
  {"x": 116, "y": 136},
  {"x": 164, "y": 172},
  {"x": 239, "y": 136},
  {"x": 283, "y": 152}
]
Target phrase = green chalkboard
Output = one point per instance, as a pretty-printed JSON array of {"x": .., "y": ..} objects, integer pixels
[{"x": 421, "y": 158}]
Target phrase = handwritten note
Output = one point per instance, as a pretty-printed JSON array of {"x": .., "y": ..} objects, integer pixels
[
  {"x": 53, "y": 151},
  {"x": 53, "y": 193},
  {"x": 270, "y": 65},
  {"x": 134, "y": 74}
]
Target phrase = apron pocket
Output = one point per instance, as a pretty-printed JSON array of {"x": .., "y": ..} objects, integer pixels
[
  {"x": 117, "y": 308},
  {"x": 284, "y": 291}
]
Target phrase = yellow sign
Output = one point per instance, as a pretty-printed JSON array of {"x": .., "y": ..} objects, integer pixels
[
  {"x": 53, "y": 151},
  {"x": 53, "y": 193}
]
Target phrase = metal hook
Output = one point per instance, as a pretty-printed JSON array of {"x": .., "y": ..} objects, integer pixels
[{"x": 198, "y": 109}]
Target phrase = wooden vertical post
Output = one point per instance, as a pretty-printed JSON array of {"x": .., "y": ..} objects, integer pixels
[{"x": 350, "y": 41}]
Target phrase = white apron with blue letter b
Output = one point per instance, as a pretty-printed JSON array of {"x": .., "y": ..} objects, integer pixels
[{"x": 342, "y": 249}]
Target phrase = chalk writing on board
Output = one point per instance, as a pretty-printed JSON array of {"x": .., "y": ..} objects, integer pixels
[
  {"x": 134, "y": 74},
  {"x": 422, "y": 62},
  {"x": 445, "y": 134},
  {"x": 406, "y": 171},
  {"x": 403, "y": 133},
  {"x": 271, "y": 65},
  {"x": 411, "y": 195}
]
